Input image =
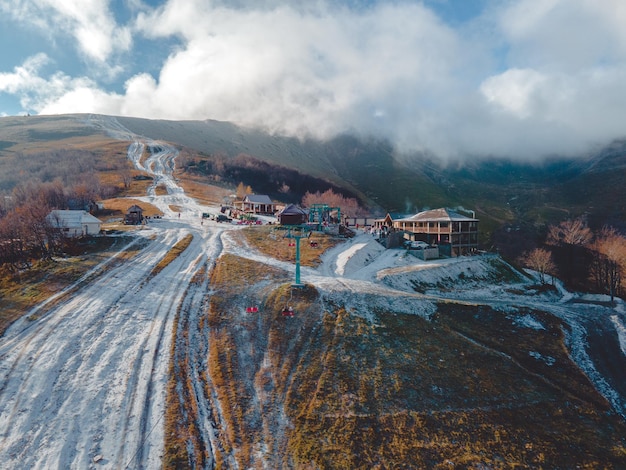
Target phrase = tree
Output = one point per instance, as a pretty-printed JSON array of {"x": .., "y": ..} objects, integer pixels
[
  {"x": 570, "y": 236},
  {"x": 609, "y": 263},
  {"x": 243, "y": 190},
  {"x": 540, "y": 260},
  {"x": 348, "y": 206},
  {"x": 127, "y": 177},
  {"x": 570, "y": 232}
]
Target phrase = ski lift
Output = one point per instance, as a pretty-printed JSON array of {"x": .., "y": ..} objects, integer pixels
[
  {"x": 313, "y": 244},
  {"x": 253, "y": 309},
  {"x": 288, "y": 310},
  {"x": 292, "y": 243}
]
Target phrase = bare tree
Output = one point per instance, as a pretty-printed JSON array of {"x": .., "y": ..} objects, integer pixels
[
  {"x": 127, "y": 177},
  {"x": 349, "y": 206},
  {"x": 539, "y": 260},
  {"x": 609, "y": 263},
  {"x": 570, "y": 236},
  {"x": 570, "y": 232}
]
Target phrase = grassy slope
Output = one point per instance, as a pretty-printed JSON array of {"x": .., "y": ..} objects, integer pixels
[
  {"x": 367, "y": 167},
  {"x": 28, "y": 143},
  {"x": 329, "y": 389}
]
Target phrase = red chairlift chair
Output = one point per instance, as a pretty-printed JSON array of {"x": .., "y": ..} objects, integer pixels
[
  {"x": 288, "y": 311},
  {"x": 253, "y": 309}
]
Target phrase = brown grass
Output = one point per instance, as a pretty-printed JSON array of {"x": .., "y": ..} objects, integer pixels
[
  {"x": 196, "y": 187},
  {"x": 137, "y": 187},
  {"x": 237, "y": 283},
  {"x": 183, "y": 447},
  {"x": 273, "y": 241},
  {"x": 407, "y": 390},
  {"x": 329, "y": 389},
  {"x": 171, "y": 255},
  {"x": 121, "y": 205},
  {"x": 160, "y": 190}
]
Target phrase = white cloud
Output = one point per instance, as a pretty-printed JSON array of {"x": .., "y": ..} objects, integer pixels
[
  {"x": 25, "y": 76},
  {"x": 513, "y": 90},
  {"x": 90, "y": 22},
  {"x": 83, "y": 98},
  {"x": 528, "y": 78},
  {"x": 58, "y": 93},
  {"x": 318, "y": 72},
  {"x": 565, "y": 34}
]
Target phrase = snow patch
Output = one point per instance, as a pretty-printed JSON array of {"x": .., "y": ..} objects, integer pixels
[
  {"x": 547, "y": 359},
  {"x": 347, "y": 255},
  {"x": 528, "y": 321},
  {"x": 621, "y": 332}
]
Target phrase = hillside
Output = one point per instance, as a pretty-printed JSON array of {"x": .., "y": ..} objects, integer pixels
[
  {"x": 502, "y": 192},
  {"x": 180, "y": 356},
  {"x": 366, "y": 377}
]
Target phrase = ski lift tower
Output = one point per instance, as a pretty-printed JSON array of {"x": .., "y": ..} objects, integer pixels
[
  {"x": 296, "y": 233},
  {"x": 322, "y": 213}
]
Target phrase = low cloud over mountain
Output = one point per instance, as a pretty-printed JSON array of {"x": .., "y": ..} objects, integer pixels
[{"x": 523, "y": 79}]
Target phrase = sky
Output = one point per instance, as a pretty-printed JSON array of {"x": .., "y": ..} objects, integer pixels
[{"x": 455, "y": 79}]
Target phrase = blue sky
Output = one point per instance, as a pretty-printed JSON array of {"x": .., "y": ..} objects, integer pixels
[{"x": 455, "y": 78}]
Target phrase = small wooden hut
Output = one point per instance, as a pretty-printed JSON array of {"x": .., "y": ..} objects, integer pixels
[
  {"x": 134, "y": 215},
  {"x": 293, "y": 215}
]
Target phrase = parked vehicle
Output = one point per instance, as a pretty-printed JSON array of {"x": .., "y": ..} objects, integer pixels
[
  {"x": 416, "y": 245},
  {"x": 222, "y": 218}
]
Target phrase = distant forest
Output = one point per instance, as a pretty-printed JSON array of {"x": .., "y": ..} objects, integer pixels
[{"x": 278, "y": 182}]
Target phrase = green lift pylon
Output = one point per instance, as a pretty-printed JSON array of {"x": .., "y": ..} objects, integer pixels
[{"x": 297, "y": 236}]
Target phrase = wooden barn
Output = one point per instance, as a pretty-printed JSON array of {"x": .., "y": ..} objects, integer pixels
[{"x": 134, "y": 215}]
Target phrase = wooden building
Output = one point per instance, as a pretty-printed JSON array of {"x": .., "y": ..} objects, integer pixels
[
  {"x": 454, "y": 233},
  {"x": 134, "y": 215},
  {"x": 293, "y": 215},
  {"x": 74, "y": 223},
  {"x": 256, "y": 204}
]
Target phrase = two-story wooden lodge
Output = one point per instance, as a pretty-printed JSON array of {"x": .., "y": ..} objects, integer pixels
[{"x": 454, "y": 233}]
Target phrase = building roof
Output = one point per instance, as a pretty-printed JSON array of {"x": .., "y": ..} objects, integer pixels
[
  {"x": 292, "y": 209},
  {"x": 437, "y": 215},
  {"x": 69, "y": 218},
  {"x": 258, "y": 199}
]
